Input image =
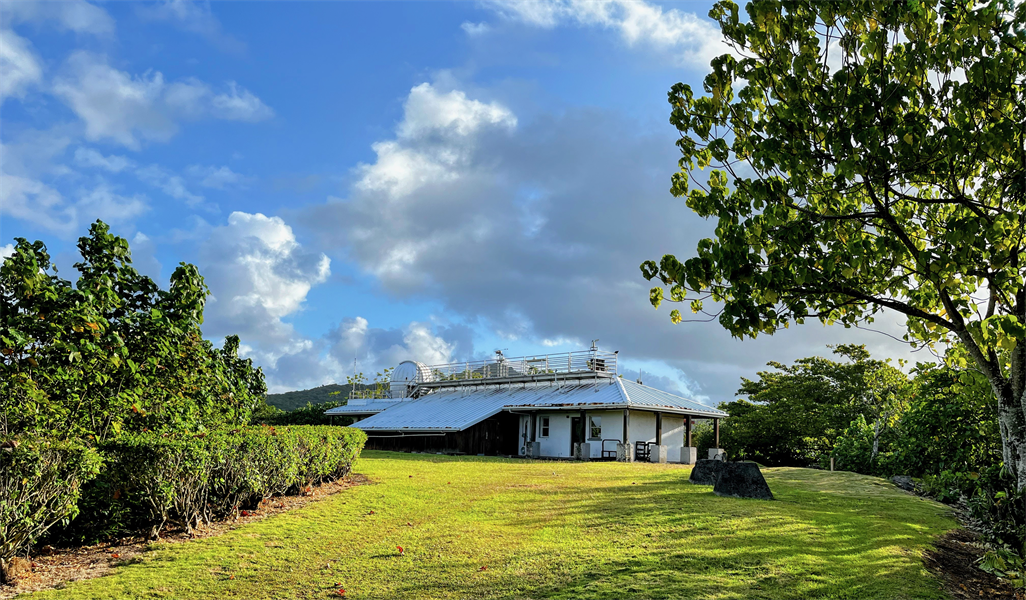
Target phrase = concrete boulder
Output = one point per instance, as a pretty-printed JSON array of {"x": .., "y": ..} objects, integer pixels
[
  {"x": 742, "y": 480},
  {"x": 705, "y": 472}
]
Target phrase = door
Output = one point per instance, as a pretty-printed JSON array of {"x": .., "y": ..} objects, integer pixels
[{"x": 576, "y": 432}]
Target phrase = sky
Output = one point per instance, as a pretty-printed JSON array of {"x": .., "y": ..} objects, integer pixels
[{"x": 366, "y": 183}]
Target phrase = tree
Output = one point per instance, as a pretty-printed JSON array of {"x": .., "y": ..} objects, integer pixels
[
  {"x": 793, "y": 415},
  {"x": 114, "y": 351},
  {"x": 876, "y": 155}
]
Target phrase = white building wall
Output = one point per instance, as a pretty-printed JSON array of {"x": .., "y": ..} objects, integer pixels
[
  {"x": 642, "y": 427},
  {"x": 673, "y": 437},
  {"x": 557, "y": 444}
]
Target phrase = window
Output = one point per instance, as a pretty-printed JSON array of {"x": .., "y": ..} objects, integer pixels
[
  {"x": 545, "y": 427},
  {"x": 596, "y": 428}
]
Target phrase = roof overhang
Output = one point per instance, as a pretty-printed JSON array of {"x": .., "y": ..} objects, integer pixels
[{"x": 605, "y": 406}]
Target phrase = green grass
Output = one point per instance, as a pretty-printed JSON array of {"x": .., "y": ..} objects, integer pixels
[{"x": 557, "y": 530}]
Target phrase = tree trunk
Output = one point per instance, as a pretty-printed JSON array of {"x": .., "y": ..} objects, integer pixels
[{"x": 1012, "y": 421}]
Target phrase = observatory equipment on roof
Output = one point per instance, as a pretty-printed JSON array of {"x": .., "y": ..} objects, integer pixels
[{"x": 406, "y": 377}]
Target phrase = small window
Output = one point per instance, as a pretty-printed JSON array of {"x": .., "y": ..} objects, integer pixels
[
  {"x": 596, "y": 428},
  {"x": 545, "y": 427}
]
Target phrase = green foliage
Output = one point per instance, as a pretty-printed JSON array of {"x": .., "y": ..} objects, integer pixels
[
  {"x": 311, "y": 414},
  {"x": 188, "y": 480},
  {"x": 113, "y": 352},
  {"x": 951, "y": 424},
  {"x": 289, "y": 401},
  {"x": 40, "y": 482},
  {"x": 794, "y": 415},
  {"x": 864, "y": 156}
]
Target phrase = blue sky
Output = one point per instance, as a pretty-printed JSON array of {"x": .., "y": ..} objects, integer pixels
[{"x": 379, "y": 181}]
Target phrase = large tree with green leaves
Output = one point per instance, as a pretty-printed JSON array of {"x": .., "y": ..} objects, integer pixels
[
  {"x": 865, "y": 156},
  {"x": 113, "y": 352},
  {"x": 793, "y": 415}
]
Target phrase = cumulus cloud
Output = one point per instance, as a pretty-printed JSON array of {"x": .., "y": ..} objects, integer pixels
[
  {"x": 6, "y": 251},
  {"x": 20, "y": 68},
  {"x": 536, "y": 231},
  {"x": 258, "y": 275},
  {"x": 71, "y": 15},
  {"x": 194, "y": 17},
  {"x": 375, "y": 349},
  {"x": 434, "y": 141},
  {"x": 683, "y": 35},
  {"x": 129, "y": 109}
]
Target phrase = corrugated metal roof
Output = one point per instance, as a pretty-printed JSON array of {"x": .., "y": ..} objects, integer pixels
[
  {"x": 440, "y": 411},
  {"x": 642, "y": 396},
  {"x": 362, "y": 407},
  {"x": 457, "y": 410}
]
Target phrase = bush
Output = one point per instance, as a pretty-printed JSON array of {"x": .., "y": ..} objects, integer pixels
[
  {"x": 187, "y": 480},
  {"x": 40, "y": 483}
]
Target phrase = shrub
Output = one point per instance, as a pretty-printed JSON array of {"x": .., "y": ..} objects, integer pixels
[
  {"x": 187, "y": 480},
  {"x": 40, "y": 483}
]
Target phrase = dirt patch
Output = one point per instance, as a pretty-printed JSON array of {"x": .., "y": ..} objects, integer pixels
[
  {"x": 53, "y": 568},
  {"x": 954, "y": 561}
]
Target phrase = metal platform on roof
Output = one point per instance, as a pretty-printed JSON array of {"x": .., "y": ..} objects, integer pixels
[{"x": 575, "y": 366}]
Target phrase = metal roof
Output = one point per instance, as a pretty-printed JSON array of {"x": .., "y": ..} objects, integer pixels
[
  {"x": 441, "y": 411},
  {"x": 642, "y": 396},
  {"x": 362, "y": 407},
  {"x": 457, "y": 410}
]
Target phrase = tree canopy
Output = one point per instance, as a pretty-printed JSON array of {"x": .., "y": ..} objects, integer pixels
[
  {"x": 113, "y": 352},
  {"x": 864, "y": 156}
]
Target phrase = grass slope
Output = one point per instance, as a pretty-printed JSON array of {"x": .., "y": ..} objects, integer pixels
[{"x": 557, "y": 530}]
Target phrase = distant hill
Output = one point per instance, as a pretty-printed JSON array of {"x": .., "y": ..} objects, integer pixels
[{"x": 298, "y": 399}]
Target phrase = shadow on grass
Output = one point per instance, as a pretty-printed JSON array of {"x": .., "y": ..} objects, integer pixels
[{"x": 824, "y": 541}]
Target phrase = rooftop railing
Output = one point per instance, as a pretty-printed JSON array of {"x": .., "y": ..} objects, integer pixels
[
  {"x": 578, "y": 364},
  {"x": 501, "y": 367}
]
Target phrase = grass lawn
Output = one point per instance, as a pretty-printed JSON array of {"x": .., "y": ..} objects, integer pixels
[{"x": 490, "y": 528}]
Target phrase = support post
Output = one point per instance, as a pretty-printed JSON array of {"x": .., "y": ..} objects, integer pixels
[
  {"x": 687, "y": 431},
  {"x": 716, "y": 432},
  {"x": 659, "y": 429},
  {"x": 626, "y": 416},
  {"x": 534, "y": 427}
]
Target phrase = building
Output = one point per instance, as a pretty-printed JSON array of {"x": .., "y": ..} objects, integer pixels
[{"x": 568, "y": 405}]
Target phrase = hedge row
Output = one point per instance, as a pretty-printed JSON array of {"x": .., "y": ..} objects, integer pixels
[
  {"x": 40, "y": 484},
  {"x": 189, "y": 480}
]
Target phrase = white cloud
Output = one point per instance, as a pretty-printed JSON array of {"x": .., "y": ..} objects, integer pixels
[
  {"x": 103, "y": 203},
  {"x": 37, "y": 203},
  {"x": 6, "y": 252},
  {"x": 475, "y": 29},
  {"x": 427, "y": 112},
  {"x": 375, "y": 349},
  {"x": 169, "y": 183},
  {"x": 219, "y": 178},
  {"x": 195, "y": 17},
  {"x": 684, "y": 35},
  {"x": 434, "y": 141},
  {"x": 19, "y": 66},
  {"x": 68, "y": 15},
  {"x": 115, "y": 105},
  {"x": 258, "y": 275},
  {"x": 88, "y": 157}
]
